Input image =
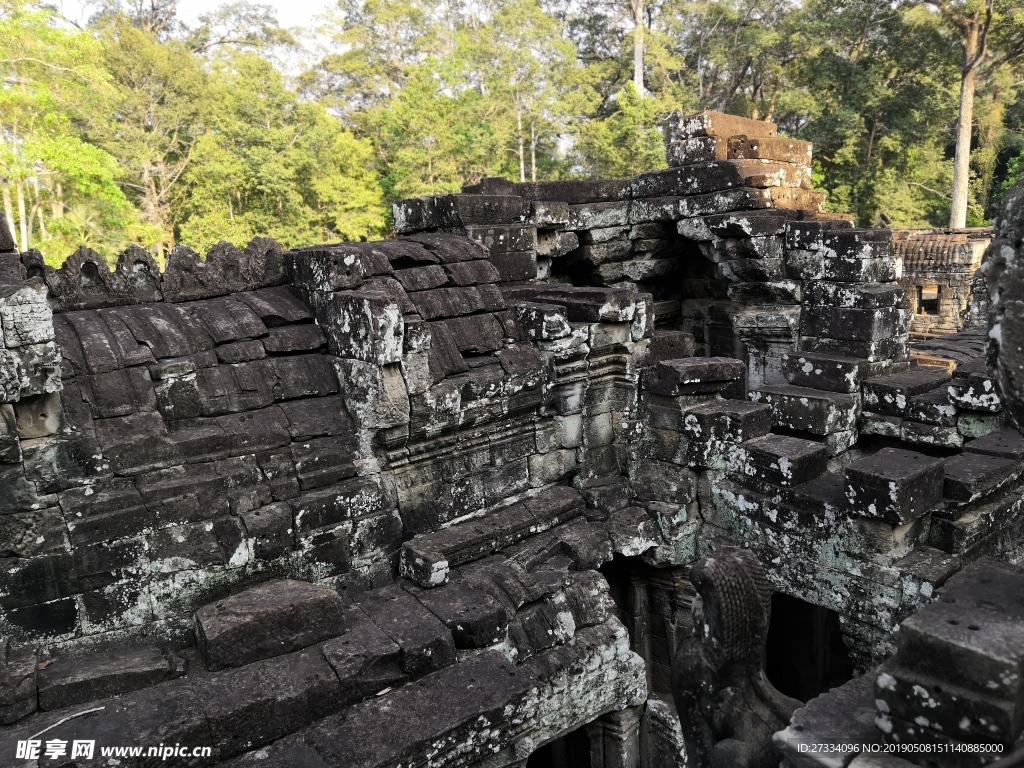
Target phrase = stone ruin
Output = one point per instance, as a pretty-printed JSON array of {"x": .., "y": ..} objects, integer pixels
[
  {"x": 945, "y": 293},
  {"x": 584, "y": 473}
]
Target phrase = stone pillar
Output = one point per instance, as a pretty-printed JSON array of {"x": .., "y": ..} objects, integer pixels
[{"x": 620, "y": 739}]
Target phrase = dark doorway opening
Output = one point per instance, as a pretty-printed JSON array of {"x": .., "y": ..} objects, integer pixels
[
  {"x": 928, "y": 299},
  {"x": 806, "y": 652},
  {"x": 570, "y": 751}
]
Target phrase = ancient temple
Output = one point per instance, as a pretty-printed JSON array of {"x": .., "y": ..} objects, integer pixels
[{"x": 597, "y": 474}]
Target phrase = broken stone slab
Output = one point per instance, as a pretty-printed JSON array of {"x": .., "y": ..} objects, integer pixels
[
  {"x": 894, "y": 484},
  {"x": 68, "y": 682},
  {"x": 260, "y": 702},
  {"x": 541, "y": 321},
  {"x": 364, "y": 658},
  {"x": 475, "y": 619},
  {"x": 890, "y": 394},
  {"x": 693, "y": 375},
  {"x": 1007, "y": 443},
  {"x": 633, "y": 531},
  {"x": 809, "y": 410},
  {"x": 970, "y": 476},
  {"x": 780, "y": 460},
  {"x": 267, "y": 620},
  {"x": 425, "y": 642},
  {"x": 979, "y": 530},
  {"x": 426, "y": 559},
  {"x": 843, "y": 717}
]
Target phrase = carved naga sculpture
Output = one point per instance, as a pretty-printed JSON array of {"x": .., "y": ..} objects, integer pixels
[{"x": 728, "y": 709}]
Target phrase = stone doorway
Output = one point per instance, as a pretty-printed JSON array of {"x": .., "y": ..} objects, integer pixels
[{"x": 806, "y": 655}]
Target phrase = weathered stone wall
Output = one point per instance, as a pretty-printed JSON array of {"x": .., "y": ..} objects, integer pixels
[{"x": 502, "y": 439}]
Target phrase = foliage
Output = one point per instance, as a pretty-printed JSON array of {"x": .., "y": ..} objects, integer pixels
[{"x": 141, "y": 128}]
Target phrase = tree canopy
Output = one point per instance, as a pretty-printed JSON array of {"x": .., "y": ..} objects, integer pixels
[{"x": 140, "y": 128}]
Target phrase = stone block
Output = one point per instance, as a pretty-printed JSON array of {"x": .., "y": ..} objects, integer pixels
[
  {"x": 809, "y": 410},
  {"x": 72, "y": 681},
  {"x": 692, "y": 375},
  {"x": 425, "y": 642},
  {"x": 364, "y": 658},
  {"x": 894, "y": 484},
  {"x": 969, "y": 636},
  {"x": 731, "y": 420},
  {"x": 779, "y": 460},
  {"x": 853, "y": 295},
  {"x": 708, "y": 123},
  {"x": 260, "y": 702},
  {"x": 475, "y": 619},
  {"x": 267, "y": 620},
  {"x": 698, "y": 149},
  {"x": 775, "y": 148},
  {"x": 969, "y": 476},
  {"x": 18, "y": 675},
  {"x": 933, "y": 407},
  {"x": 1006, "y": 443},
  {"x": 832, "y": 373},
  {"x": 891, "y": 394},
  {"x": 515, "y": 266},
  {"x": 854, "y": 324},
  {"x": 363, "y": 326}
]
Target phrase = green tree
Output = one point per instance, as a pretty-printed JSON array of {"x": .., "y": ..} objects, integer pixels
[
  {"x": 270, "y": 164},
  {"x": 52, "y": 83},
  {"x": 626, "y": 142},
  {"x": 156, "y": 118}
]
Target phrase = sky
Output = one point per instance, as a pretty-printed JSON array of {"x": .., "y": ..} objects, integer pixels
[{"x": 290, "y": 13}]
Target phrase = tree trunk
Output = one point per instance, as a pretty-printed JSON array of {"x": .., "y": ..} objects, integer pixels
[
  {"x": 522, "y": 146},
  {"x": 964, "y": 125},
  {"x": 22, "y": 218},
  {"x": 533, "y": 150},
  {"x": 8, "y": 209},
  {"x": 637, "y": 7}
]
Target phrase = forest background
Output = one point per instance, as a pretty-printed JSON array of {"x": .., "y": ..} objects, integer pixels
[{"x": 137, "y": 127}]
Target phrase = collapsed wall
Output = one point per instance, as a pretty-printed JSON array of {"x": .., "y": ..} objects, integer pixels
[{"x": 495, "y": 445}]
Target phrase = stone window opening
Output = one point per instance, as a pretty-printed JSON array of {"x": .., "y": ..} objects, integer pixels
[{"x": 928, "y": 299}]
